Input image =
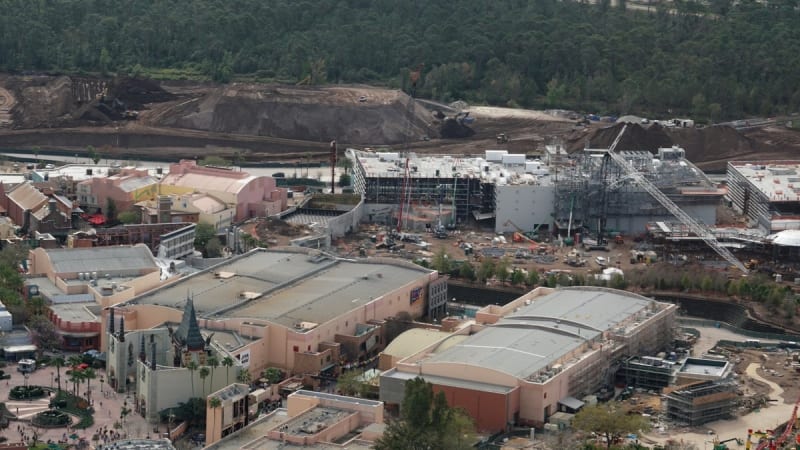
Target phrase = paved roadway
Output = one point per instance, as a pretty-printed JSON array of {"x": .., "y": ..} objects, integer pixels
[{"x": 107, "y": 409}]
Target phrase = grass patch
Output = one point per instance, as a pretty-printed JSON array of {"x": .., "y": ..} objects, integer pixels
[{"x": 76, "y": 406}]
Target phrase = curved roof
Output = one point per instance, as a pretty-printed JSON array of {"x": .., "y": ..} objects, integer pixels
[
  {"x": 787, "y": 238},
  {"x": 412, "y": 341},
  {"x": 539, "y": 334}
]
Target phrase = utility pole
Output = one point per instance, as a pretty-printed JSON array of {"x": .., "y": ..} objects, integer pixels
[{"x": 333, "y": 166}]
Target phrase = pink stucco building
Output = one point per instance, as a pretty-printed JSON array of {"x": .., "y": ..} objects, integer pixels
[
  {"x": 250, "y": 195},
  {"x": 522, "y": 362},
  {"x": 125, "y": 188}
]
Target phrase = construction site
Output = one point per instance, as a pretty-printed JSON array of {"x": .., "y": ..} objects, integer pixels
[{"x": 597, "y": 194}]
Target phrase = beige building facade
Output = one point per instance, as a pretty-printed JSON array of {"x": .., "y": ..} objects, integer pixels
[{"x": 521, "y": 362}]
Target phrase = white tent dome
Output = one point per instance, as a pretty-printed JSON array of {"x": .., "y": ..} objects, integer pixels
[{"x": 787, "y": 238}]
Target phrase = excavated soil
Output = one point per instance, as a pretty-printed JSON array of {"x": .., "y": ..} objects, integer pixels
[
  {"x": 710, "y": 148},
  {"x": 259, "y": 122}
]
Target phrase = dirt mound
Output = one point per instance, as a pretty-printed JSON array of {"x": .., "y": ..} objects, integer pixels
[
  {"x": 635, "y": 138},
  {"x": 42, "y": 102},
  {"x": 452, "y": 128},
  {"x": 135, "y": 93},
  {"x": 709, "y": 147},
  {"x": 51, "y": 102},
  {"x": 351, "y": 115},
  {"x": 712, "y": 143}
]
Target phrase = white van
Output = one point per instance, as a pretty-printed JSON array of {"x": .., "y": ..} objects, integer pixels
[{"x": 26, "y": 365}]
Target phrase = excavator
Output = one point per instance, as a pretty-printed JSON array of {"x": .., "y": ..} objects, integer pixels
[{"x": 720, "y": 445}]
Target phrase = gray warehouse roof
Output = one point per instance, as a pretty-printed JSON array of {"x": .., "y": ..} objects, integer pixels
[
  {"x": 285, "y": 287},
  {"x": 540, "y": 333},
  {"x": 102, "y": 260}
]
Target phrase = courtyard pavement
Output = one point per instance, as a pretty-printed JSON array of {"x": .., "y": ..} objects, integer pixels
[{"x": 107, "y": 405}]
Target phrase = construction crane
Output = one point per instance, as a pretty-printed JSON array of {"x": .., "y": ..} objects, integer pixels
[
  {"x": 698, "y": 229},
  {"x": 777, "y": 442},
  {"x": 333, "y": 156},
  {"x": 413, "y": 77}
]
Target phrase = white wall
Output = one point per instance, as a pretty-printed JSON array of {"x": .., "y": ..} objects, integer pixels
[{"x": 524, "y": 205}]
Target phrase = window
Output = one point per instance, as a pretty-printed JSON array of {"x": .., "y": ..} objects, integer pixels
[{"x": 296, "y": 349}]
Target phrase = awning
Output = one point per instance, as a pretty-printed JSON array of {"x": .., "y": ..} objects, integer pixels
[
  {"x": 571, "y": 403},
  {"x": 328, "y": 366},
  {"x": 19, "y": 348},
  {"x": 78, "y": 334}
]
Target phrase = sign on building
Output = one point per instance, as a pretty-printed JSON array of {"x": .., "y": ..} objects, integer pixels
[{"x": 244, "y": 358}]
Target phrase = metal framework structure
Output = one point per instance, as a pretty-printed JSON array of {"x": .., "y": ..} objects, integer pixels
[{"x": 700, "y": 230}]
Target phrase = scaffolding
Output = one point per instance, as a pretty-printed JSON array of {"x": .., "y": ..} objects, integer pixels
[
  {"x": 647, "y": 372},
  {"x": 456, "y": 184},
  {"x": 698, "y": 403},
  {"x": 598, "y": 195}
]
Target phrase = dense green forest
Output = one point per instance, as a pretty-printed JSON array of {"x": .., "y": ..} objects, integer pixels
[{"x": 713, "y": 59}]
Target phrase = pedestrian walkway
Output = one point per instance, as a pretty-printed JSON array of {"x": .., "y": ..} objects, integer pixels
[
  {"x": 107, "y": 406},
  {"x": 26, "y": 409}
]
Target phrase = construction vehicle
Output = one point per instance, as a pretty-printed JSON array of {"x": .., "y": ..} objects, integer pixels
[
  {"x": 619, "y": 240},
  {"x": 574, "y": 259},
  {"x": 502, "y": 138},
  {"x": 413, "y": 76},
  {"x": 590, "y": 244},
  {"x": 720, "y": 445},
  {"x": 700, "y": 230}
]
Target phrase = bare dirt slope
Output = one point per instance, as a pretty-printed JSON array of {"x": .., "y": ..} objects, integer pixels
[
  {"x": 710, "y": 148},
  {"x": 259, "y": 122},
  {"x": 317, "y": 114}
]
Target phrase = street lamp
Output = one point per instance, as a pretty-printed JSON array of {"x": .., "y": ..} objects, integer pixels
[
  {"x": 101, "y": 385},
  {"x": 27, "y": 392},
  {"x": 52, "y": 377}
]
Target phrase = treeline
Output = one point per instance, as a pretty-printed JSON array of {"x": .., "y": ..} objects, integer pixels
[
  {"x": 714, "y": 59},
  {"x": 778, "y": 299}
]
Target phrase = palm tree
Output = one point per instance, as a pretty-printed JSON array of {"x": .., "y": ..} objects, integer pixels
[
  {"x": 228, "y": 363},
  {"x": 244, "y": 377},
  {"x": 203, "y": 375},
  {"x": 89, "y": 375},
  {"x": 75, "y": 376},
  {"x": 213, "y": 362},
  {"x": 192, "y": 366},
  {"x": 214, "y": 403},
  {"x": 59, "y": 363},
  {"x": 74, "y": 362}
]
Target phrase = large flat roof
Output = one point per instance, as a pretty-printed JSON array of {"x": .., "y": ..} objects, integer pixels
[
  {"x": 778, "y": 180},
  {"x": 75, "y": 312},
  {"x": 392, "y": 165},
  {"x": 112, "y": 260},
  {"x": 284, "y": 287},
  {"x": 540, "y": 333}
]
